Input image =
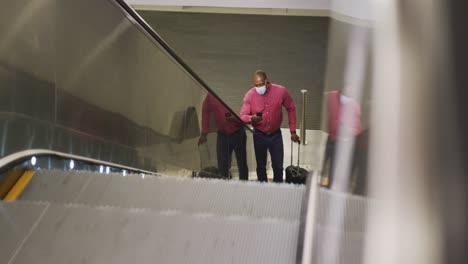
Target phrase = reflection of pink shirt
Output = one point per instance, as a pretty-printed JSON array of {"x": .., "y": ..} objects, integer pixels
[
  {"x": 212, "y": 105},
  {"x": 271, "y": 106},
  {"x": 335, "y": 112}
]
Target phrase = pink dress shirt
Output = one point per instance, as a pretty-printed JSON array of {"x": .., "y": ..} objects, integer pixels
[
  {"x": 212, "y": 105},
  {"x": 271, "y": 106},
  {"x": 335, "y": 112}
]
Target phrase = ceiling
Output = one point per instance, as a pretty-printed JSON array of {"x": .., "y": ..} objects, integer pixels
[
  {"x": 360, "y": 9},
  {"x": 290, "y": 4}
]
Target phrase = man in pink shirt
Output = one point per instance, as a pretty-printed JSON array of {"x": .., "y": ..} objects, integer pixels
[
  {"x": 344, "y": 121},
  {"x": 231, "y": 137},
  {"x": 263, "y": 108}
]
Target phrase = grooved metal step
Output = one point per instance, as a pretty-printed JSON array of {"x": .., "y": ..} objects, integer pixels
[
  {"x": 16, "y": 223},
  {"x": 340, "y": 227},
  {"x": 82, "y": 234},
  {"x": 188, "y": 195}
]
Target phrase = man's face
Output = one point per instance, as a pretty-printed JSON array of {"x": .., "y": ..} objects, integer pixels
[{"x": 258, "y": 81}]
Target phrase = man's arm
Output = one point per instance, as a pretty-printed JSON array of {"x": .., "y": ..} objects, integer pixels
[
  {"x": 246, "y": 113},
  {"x": 206, "y": 116},
  {"x": 332, "y": 120},
  {"x": 205, "y": 120},
  {"x": 288, "y": 103}
]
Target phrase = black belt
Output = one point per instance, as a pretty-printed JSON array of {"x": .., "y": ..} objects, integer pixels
[{"x": 268, "y": 134}]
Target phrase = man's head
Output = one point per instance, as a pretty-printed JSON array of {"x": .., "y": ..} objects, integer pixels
[
  {"x": 344, "y": 91},
  {"x": 259, "y": 78}
]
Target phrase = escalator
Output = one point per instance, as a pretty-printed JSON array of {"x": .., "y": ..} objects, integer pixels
[
  {"x": 100, "y": 116},
  {"x": 99, "y": 217},
  {"x": 99, "y": 161},
  {"x": 99, "y": 158},
  {"x": 110, "y": 218}
]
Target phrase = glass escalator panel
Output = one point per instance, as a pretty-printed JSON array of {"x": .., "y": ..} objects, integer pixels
[{"x": 89, "y": 78}]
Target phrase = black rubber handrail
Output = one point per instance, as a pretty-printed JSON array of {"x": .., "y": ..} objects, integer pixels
[{"x": 151, "y": 32}]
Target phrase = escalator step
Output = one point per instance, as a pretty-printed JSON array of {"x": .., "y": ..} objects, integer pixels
[
  {"x": 81, "y": 234},
  {"x": 16, "y": 223},
  {"x": 340, "y": 227},
  {"x": 168, "y": 193}
]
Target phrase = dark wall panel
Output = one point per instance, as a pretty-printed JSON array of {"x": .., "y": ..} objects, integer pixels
[{"x": 225, "y": 49}]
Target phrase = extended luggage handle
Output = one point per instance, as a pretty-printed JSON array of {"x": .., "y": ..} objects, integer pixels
[
  {"x": 298, "y": 152},
  {"x": 204, "y": 148}
]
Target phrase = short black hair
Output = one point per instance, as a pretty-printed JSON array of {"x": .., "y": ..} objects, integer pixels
[{"x": 261, "y": 74}]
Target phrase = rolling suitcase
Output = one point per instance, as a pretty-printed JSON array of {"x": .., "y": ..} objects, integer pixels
[
  {"x": 296, "y": 174},
  {"x": 208, "y": 170}
]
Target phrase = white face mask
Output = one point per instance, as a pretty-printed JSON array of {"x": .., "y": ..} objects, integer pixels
[
  {"x": 261, "y": 90},
  {"x": 344, "y": 99}
]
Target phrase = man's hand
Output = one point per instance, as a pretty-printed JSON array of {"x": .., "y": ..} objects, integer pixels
[
  {"x": 202, "y": 139},
  {"x": 231, "y": 119},
  {"x": 295, "y": 137},
  {"x": 256, "y": 119}
]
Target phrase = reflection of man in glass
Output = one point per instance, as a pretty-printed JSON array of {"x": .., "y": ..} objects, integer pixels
[
  {"x": 231, "y": 136},
  {"x": 344, "y": 119},
  {"x": 263, "y": 108}
]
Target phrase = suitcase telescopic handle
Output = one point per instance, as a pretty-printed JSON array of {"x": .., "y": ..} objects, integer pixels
[
  {"x": 292, "y": 148},
  {"x": 298, "y": 152}
]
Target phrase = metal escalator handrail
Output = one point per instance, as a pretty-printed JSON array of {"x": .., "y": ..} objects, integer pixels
[
  {"x": 155, "y": 36},
  {"x": 15, "y": 158}
]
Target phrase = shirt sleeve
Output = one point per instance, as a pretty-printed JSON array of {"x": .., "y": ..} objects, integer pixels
[
  {"x": 206, "y": 116},
  {"x": 246, "y": 113},
  {"x": 288, "y": 103},
  {"x": 332, "y": 114},
  {"x": 358, "y": 124}
]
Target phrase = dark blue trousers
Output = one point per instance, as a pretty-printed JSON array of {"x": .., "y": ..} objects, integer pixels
[
  {"x": 225, "y": 145},
  {"x": 274, "y": 144}
]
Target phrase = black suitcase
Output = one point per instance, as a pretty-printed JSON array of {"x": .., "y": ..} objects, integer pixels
[
  {"x": 209, "y": 172},
  {"x": 296, "y": 174},
  {"x": 206, "y": 164}
]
